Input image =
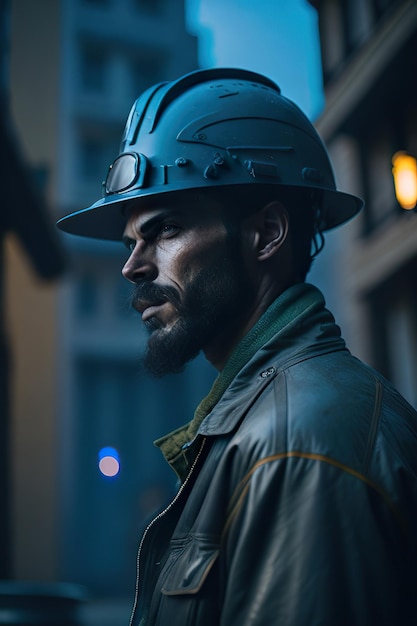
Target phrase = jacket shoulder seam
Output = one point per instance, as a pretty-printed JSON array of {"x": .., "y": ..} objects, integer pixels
[{"x": 243, "y": 487}]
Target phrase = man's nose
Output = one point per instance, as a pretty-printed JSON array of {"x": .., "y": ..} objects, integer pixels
[{"x": 138, "y": 268}]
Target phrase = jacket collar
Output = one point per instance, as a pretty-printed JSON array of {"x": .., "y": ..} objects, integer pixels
[{"x": 294, "y": 327}]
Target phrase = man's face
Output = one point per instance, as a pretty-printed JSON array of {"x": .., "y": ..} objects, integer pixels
[{"x": 190, "y": 284}]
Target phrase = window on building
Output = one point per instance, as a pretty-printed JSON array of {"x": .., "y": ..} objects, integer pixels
[
  {"x": 94, "y": 68},
  {"x": 149, "y": 6},
  {"x": 101, "y": 295},
  {"x": 381, "y": 6},
  {"x": 145, "y": 70},
  {"x": 98, "y": 3},
  {"x": 90, "y": 161},
  {"x": 122, "y": 295},
  {"x": 394, "y": 324},
  {"x": 358, "y": 22},
  {"x": 402, "y": 344},
  {"x": 379, "y": 186},
  {"x": 97, "y": 148},
  {"x": 411, "y": 129},
  {"x": 86, "y": 296},
  {"x": 331, "y": 29}
]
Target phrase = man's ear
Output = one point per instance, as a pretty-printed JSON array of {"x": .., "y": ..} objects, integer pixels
[{"x": 272, "y": 229}]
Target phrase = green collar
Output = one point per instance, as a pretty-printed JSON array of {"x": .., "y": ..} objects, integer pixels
[{"x": 287, "y": 307}]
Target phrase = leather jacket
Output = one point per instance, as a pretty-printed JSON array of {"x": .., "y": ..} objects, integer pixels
[{"x": 300, "y": 507}]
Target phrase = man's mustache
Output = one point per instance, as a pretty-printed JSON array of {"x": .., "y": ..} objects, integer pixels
[{"x": 148, "y": 294}]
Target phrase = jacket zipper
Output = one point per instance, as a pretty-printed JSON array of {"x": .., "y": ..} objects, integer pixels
[{"x": 154, "y": 520}]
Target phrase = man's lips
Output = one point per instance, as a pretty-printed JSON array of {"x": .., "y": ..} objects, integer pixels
[
  {"x": 148, "y": 309},
  {"x": 148, "y": 298}
]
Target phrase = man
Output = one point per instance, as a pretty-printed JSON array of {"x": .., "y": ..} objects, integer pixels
[{"x": 298, "y": 497}]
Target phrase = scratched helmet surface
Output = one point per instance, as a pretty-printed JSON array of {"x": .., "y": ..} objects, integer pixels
[{"x": 209, "y": 129}]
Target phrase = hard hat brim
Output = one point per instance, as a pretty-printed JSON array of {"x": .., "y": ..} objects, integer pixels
[{"x": 106, "y": 218}]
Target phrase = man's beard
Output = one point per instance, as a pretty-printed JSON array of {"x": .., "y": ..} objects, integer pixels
[{"x": 214, "y": 300}]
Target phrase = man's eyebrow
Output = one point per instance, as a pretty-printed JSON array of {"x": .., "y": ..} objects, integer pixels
[{"x": 147, "y": 226}]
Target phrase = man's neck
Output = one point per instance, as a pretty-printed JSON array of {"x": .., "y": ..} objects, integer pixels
[{"x": 220, "y": 349}]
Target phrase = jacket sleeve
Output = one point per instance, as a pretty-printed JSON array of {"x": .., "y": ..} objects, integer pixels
[{"x": 311, "y": 543}]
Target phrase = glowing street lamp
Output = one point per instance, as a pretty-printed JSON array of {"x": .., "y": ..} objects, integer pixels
[{"x": 405, "y": 179}]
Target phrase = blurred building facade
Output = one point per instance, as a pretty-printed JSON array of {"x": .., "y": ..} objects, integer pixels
[
  {"x": 369, "y": 51},
  {"x": 76, "y": 68},
  {"x": 32, "y": 258}
]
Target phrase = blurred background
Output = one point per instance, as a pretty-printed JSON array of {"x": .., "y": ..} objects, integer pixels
[{"x": 79, "y": 476}]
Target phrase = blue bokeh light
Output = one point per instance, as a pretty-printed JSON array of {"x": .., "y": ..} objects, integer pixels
[{"x": 109, "y": 462}]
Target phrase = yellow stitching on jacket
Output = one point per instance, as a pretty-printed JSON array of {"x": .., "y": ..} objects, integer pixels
[{"x": 244, "y": 484}]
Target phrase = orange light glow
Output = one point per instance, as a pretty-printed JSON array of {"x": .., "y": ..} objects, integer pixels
[{"x": 405, "y": 179}]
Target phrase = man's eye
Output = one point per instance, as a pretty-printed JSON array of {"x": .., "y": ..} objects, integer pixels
[
  {"x": 168, "y": 230},
  {"x": 131, "y": 246}
]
